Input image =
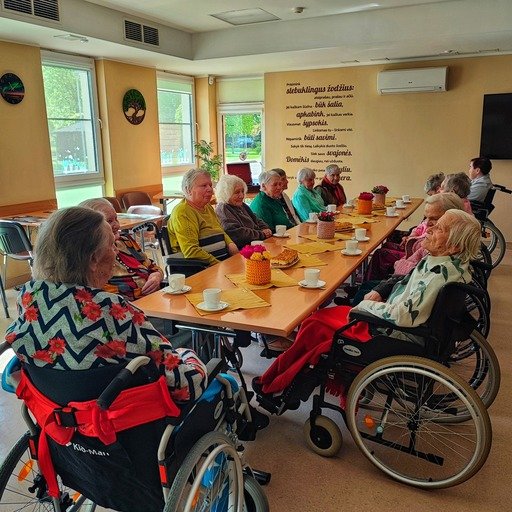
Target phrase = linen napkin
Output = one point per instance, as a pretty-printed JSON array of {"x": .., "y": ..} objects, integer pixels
[
  {"x": 314, "y": 247},
  {"x": 237, "y": 298},
  {"x": 309, "y": 260},
  {"x": 337, "y": 237}
]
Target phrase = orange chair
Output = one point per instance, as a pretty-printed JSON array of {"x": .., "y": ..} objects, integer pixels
[
  {"x": 115, "y": 203},
  {"x": 135, "y": 198}
]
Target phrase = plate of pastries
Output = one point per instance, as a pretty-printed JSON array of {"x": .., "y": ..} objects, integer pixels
[{"x": 285, "y": 259}]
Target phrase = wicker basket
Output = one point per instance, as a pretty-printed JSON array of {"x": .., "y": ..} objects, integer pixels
[
  {"x": 325, "y": 229},
  {"x": 257, "y": 272},
  {"x": 364, "y": 206},
  {"x": 379, "y": 199}
]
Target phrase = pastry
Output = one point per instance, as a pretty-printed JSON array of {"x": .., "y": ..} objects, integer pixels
[
  {"x": 343, "y": 226},
  {"x": 287, "y": 257}
]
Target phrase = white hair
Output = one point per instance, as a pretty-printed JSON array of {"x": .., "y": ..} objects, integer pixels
[
  {"x": 226, "y": 186},
  {"x": 189, "y": 178}
]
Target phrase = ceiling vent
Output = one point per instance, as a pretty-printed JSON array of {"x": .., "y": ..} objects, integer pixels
[
  {"x": 412, "y": 80},
  {"x": 46, "y": 9},
  {"x": 141, "y": 33}
]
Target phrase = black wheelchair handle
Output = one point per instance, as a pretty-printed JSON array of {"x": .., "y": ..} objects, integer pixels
[
  {"x": 120, "y": 382},
  {"x": 502, "y": 188}
]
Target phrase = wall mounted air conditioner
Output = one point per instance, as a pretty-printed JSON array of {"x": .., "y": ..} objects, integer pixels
[{"x": 412, "y": 80}]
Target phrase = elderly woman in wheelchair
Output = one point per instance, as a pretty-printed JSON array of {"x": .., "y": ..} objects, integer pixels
[
  {"x": 387, "y": 360},
  {"x": 72, "y": 339}
]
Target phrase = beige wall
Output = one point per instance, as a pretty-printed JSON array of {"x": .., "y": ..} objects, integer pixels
[
  {"x": 398, "y": 140},
  {"x": 131, "y": 152},
  {"x": 26, "y": 174}
]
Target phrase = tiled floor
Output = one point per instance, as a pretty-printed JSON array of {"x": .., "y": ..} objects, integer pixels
[{"x": 301, "y": 480}]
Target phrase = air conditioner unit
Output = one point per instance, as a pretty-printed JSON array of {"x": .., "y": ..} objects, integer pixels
[{"x": 412, "y": 80}]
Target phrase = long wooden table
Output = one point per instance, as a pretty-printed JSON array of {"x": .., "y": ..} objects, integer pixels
[
  {"x": 35, "y": 219},
  {"x": 289, "y": 305}
]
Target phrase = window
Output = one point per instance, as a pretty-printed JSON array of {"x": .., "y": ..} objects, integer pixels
[
  {"x": 175, "y": 118},
  {"x": 71, "y": 109}
]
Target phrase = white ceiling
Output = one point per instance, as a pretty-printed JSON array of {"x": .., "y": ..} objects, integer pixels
[{"x": 328, "y": 33}]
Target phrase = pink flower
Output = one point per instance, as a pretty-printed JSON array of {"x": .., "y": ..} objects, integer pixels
[
  {"x": 26, "y": 299},
  {"x": 247, "y": 251},
  {"x": 366, "y": 196}
]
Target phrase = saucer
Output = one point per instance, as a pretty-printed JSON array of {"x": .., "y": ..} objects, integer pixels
[
  {"x": 319, "y": 284},
  {"x": 185, "y": 289},
  {"x": 395, "y": 215},
  {"x": 357, "y": 252},
  {"x": 222, "y": 305},
  {"x": 365, "y": 239},
  {"x": 407, "y": 202},
  {"x": 281, "y": 236}
]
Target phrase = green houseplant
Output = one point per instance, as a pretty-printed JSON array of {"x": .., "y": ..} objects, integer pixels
[{"x": 209, "y": 162}]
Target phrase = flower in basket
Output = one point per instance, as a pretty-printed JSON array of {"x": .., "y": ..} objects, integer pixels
[
  {"x": 326, "y": 216},
  {"x": 255, "y": 253},
  {"x": 380, "y": 189},
  {"x": 365, "y": 196}
]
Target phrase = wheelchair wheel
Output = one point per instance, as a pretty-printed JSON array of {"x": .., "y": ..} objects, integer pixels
[
  {"x": 210, "y": 478},
  {"x": 255, "y": 499},
  {"x": 493, "y": 238},
  {"x": 475, "y": 361},
  {"x": 479, "y": 309},
  {"x": 22, "y": 486},
  {"x": 324, "y": 438},
  {"x": 400, "y": 433}
]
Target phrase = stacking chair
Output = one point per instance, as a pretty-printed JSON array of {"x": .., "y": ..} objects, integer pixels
[
  {"x": 135, "y": 198},
  {"x": 243, "y": 171},
  {"x": 146, "y": 231},
  {"x": 115, "y": 203},
  {"x": 15, "y": 244}
]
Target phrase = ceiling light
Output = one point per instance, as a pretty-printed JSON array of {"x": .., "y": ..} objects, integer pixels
[
  {"x": 73, "y": 37},
  {"x": 245, "y": 16}
]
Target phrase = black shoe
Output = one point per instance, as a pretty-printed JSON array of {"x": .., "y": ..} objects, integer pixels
[
  {"x": 259, "y": 419},
  {"x": 342, "y": 301}
]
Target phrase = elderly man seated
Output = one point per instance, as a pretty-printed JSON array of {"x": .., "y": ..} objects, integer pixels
[{"x": 451, "y": 244}]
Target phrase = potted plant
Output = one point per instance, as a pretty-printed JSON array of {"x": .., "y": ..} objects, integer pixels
[
  {"x": 380, "y": 192},
  {"x": 257, "y": 264},
  {"x": 210, "y": 163},
  {"x": 364, "y": 203},
  {"x": 325, "y": 227}
]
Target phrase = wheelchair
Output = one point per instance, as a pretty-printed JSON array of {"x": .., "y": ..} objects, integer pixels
[
  {"x": 492, "y": 237},
  {"x": 413, "y": 409},
  {"x": 131, "y": 449}
]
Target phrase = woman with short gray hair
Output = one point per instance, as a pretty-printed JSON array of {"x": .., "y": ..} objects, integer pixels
[
  {"x": 194, "y": 229},
  {"x": 68, "y": 322},
  {"x": 330, "y": 189},
  {"x": 237, "y": 219},
  {"x": 267, "y": 204},
  {"x": 306, "y": 199}
]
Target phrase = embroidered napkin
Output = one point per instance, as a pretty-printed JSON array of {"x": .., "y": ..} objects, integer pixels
[
  {"x": 337, "y": 237},
  {"x": 278, "y": 279},
  {"x": 237, "y": 298}
]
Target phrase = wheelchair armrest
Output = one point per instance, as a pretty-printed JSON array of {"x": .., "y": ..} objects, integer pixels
[
  {"x": 186, "y": 262},
  {"x": 375, "y": 321},
  {"x": 213, "y": 367}
]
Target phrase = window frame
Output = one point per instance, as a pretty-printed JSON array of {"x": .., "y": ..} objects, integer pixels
[
  {"x": 172, "y": 169},
  {"x": 85, "y": 64}
]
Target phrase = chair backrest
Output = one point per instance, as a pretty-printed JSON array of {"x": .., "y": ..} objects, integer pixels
[
  {"x": 14, "y": 240},
  {"x": 243, "y": 171},
  {"x": 135, "y": 198},
  {"x": 115, "y": 203},
  {"x": 144, "y": 209}
]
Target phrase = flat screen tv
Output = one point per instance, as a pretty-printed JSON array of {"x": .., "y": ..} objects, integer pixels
[{"x": 496, "y": 136}]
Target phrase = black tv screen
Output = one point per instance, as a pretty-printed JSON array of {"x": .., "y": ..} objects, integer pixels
[{"x": 496, "y": 137}]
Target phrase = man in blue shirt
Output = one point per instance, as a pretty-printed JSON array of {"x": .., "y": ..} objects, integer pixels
[{"x": 479, "y": 169}]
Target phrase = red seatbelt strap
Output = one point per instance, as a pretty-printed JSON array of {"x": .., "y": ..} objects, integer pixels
[{"x": 132, "y": 407}]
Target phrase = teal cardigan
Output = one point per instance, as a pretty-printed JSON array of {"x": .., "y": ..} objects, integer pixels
[
  {"x": 305, "y": 201},
  {"x": 270, "y": 211}
]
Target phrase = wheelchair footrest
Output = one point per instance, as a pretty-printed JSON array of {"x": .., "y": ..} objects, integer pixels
[{"x": 262, "y": 477}]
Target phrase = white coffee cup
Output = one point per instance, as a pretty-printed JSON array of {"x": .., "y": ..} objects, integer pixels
[
  {"x": 256, "y": 242},
  {"x": 351, "y": 246},
  {"x": 360, "y": 234},
  {"x": 176, "y": 282},
  {"x": 313, "y": 216},
  {"x": 311, "y": 276},
  {"x": 399, "y": 203},
  {"x": 280, "y": 230},
  {"x": 350, "y": 203},
  {"x": 211, "y": 297},
  {"x": 406, "y": 198},
  {"x": 390, "y": 211},
  {"x": 331, "y": 208}
]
